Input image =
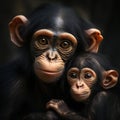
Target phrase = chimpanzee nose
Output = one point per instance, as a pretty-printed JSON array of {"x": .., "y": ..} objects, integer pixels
[
  {"x": 51, "y": 55},
  {"x": 79, "y": 84}
]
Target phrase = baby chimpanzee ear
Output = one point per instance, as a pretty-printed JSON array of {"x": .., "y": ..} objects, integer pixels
[{"x": 110, "y": 79}]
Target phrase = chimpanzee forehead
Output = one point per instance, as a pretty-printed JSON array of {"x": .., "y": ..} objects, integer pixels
[
  {"x": 59, "y": 22},
  {"x": 55, "y": 18}
]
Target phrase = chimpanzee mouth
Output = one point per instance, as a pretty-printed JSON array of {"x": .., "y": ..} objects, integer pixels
[
  {"x": 48, "y": 72},
  {"x": 82, "y": 94}
]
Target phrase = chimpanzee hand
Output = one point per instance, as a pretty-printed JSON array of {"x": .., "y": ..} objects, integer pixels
[{"x": 59, "y": 106}]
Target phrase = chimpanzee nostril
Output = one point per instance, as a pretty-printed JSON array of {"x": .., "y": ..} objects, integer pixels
[
  {"x": 51, "y": 55},
  {"x": 79, "y": 84}
]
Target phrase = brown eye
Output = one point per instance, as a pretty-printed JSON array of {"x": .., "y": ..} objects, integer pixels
[
  {"x": 43, "y": 41},
  {"x": 65, "y": 44},
  {"x": 87, "y": 75},
  {"x": 73, "y": 75}
]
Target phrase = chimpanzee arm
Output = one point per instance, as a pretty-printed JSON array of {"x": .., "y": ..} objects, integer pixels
[
  {"x": 35, "y": 116},
  {"x": 73, "y": 116},
  {"x": 62, "y": 109},
  {"x": 49, "y": 115}
]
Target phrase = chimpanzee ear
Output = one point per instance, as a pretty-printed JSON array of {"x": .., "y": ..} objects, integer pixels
[
  {"x": 95, "y": 38},
  {"x": 14, "y": 27},
  {"x": 111, "y": 79}
]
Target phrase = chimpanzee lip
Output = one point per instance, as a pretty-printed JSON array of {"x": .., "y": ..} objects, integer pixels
[
  {"x": 50, "y": 71},
  {"x": 81, "y": 94}
]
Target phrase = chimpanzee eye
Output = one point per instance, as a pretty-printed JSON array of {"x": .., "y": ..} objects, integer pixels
[
  {"x": 73, "y": 75},
  {"x": 43, "y": 41},
  {"x": 65, "y": 44},
  {"x": 87, "y": 75}
]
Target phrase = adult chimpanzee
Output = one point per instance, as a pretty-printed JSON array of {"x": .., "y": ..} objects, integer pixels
[
  {"x": 90, "y": 90},
  {"x": 48, "y": 38}
]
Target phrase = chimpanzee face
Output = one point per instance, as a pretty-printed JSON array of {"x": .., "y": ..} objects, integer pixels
[
  {"x": 51, "y": 51},
  {"x": 81, "y": 82}
]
